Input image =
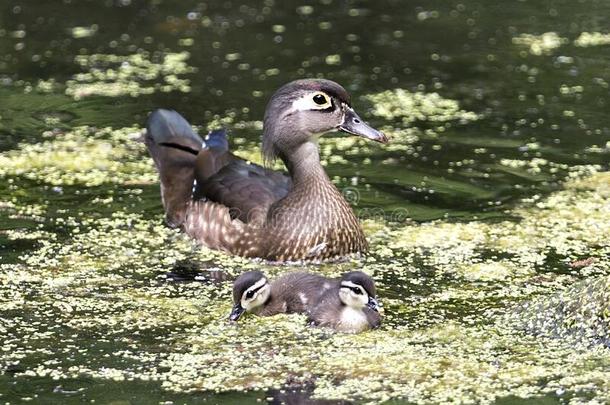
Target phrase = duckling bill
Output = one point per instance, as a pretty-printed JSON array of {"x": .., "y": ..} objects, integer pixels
[
  {"x": 226, "y": 203},
  {"x": 348, "y": 304}
]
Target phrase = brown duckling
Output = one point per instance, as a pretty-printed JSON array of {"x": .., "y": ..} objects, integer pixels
[
  {"x": 227, "y": 203},
  {"x": 294, "y": 292},
  {"x": 350, "y": 306},
  {"x": 347, "y": 304}
]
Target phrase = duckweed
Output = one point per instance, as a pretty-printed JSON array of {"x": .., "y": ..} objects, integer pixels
[
  {"x": 115, "y": 278},
  {"x": 540, "y": 44},
  {"x": 587, "y": 39},
  {"x": 86, "y": 155},
  {"x": 409, "y": 107},
  {"x": 581, "y": 314},
  {"x": 84, "y": 32},
  {"x": 113, "y": 75}
]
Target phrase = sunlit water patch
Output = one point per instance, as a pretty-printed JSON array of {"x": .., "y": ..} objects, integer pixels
[{"x": 592, "y": 39}]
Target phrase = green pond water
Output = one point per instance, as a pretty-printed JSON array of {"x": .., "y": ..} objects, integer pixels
[{"x": 488, "y": 212}]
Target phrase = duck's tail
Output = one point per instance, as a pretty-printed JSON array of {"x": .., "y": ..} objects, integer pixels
[{"x": 174, "y": 147}]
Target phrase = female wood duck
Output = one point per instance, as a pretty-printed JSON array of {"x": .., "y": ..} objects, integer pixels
[
  {"x": 232, "y": 205},
  {"x": 295, "y": 292},
  {"x": 350, "y": 306}
]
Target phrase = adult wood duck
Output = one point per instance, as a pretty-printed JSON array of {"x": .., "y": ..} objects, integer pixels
[
  {"x": 294, "y": 292},
  {"x": 227, "y": 203}
]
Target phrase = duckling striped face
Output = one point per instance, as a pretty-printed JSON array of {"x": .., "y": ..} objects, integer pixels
[
  {"x": 256, "y": 295},
  {"x": 357, "y": 290},
  {"x": 353, "y": 295},
  {"x": 250, "y": 290}
]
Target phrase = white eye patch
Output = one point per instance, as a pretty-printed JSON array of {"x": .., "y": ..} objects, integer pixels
[
  {"x": 251, "y": 292},
  {"x": 256, "y": 295},
  {"x": 353, "y": 287},
  {"x": 316, "y": 100},
  {"x": 353, "y": 295}
]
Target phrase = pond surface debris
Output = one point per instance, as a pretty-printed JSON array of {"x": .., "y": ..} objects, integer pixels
[{"x": 474, "y": 311}]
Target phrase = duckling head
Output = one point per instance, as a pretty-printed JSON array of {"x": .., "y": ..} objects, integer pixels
[
  {"x": 302, "y": 110},
  {"x": 250, "y": 291},
  {"x": 357, "y": 290}
]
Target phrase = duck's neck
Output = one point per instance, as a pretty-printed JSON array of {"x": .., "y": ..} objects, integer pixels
[{"x": 304, "y": 165}]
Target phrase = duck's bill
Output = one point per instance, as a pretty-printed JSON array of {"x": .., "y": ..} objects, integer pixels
[
  {"x": 373, "y": 304},
  {"x": 353, "y": 124},
  {"x": 237, "y": 312}
]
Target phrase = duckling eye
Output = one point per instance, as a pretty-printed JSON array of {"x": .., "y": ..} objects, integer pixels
[
  {"x": 250, "y": 294},
  {"x": 320, "y": 99},
  {"x": 356, "y": 290}
]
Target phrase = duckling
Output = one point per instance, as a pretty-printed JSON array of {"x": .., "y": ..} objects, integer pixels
[
  {"x": 351, "y": 306},
  {"x": 229, "y": 204},
  {"x": 294, "y": 292}
]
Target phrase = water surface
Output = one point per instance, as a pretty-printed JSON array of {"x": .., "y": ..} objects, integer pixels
[{"x": 468, "y": 208}]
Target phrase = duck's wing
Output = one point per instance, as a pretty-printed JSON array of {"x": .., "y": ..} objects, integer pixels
[
  {"x": 300, "y": 291},
  {"x": 211, "y": 225},
  {"x": 247, "y": 189},
  {"x": 192, "y": 167},
  {"x": 327, "y": 311},
  {"x": 208, "y": 191}
]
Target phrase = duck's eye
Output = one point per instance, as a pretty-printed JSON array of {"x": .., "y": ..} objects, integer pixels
[
  {"x": 356, "y": 290},
  {"x": 250, "y": 294},
  {"x": 320, "y": 99}
]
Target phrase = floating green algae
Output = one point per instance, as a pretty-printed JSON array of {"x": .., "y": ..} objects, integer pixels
[
  {"x": 86, "y": 155},
  {"x": 567, "y": 224},
  {"x": 582, "y": 314},
  {"x": 409, "y": 107},
  {"x": 110, "y": 75},
  {"x": 587, "y": 39},
  {"x": 543, "y": 44},
  {"x": 547, "y": 43},
  {"x": 114, "y": 75},
  {"x": 84, "y": 32},
  {"x": 444, "y": 287}
]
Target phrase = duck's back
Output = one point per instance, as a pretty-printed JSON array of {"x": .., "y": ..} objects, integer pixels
[
  {"x": 247, "y": 189},
  {"x": 297, "y": 292}
]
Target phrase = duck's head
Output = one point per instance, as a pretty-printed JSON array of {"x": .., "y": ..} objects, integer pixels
[
  {"x": 304, "y": 109},
  {"x": 357, "y": 290},
  {"x": 250, "y": 290}
]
